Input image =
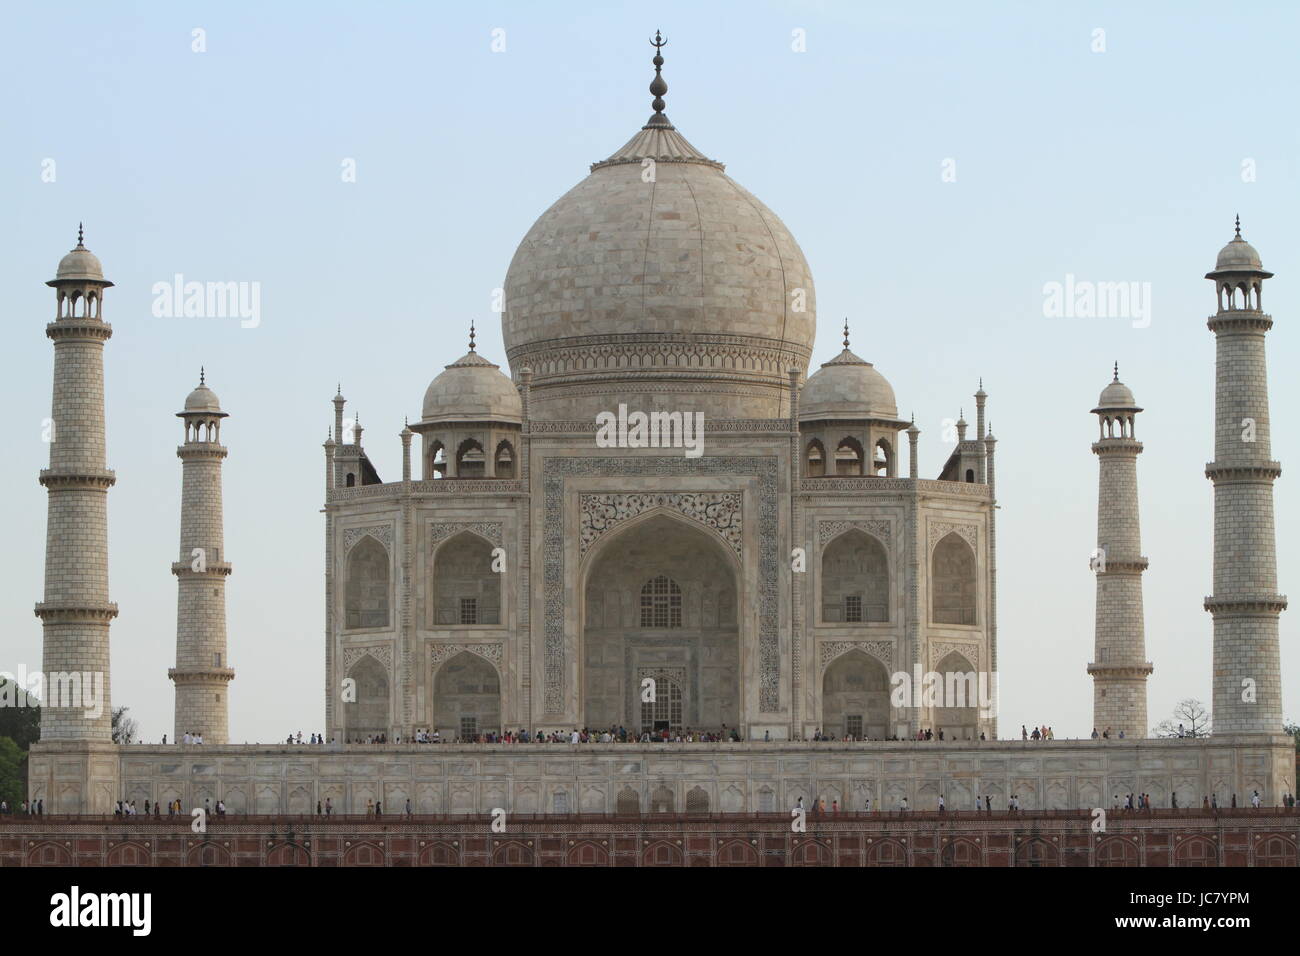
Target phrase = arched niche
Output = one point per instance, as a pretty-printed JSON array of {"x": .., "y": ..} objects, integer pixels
[
  {"x": 367, "y": 715},
  {"x": 366, "y": 602},
  {"x": 855, "y": 697},
  {"x": 953, "y": 581},
  {"x": 682, "y": 632},
  {"x": 855, "y": 580},
  {"x": 465, "y": 591},
  {"x": 466, "y": 697}
]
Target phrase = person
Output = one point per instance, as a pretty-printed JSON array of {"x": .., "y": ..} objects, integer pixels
[
  {"x": 408, "y": 806},
  {"x": 988, "y": 803},
  {"x": 767, "y": 736},
  {"x": 835, "y": 806},
  {"x": 164, "y": 740},
  {"x": 146, "y": 808},
  {"x": 1180, "y": 730},
  {"x": 1121, "y": 734},
  {"x": 319, "y": 809},
  {"x": 1234, "y": 802},
  {"x": 941, "y": 803},
  {"x": 866, "y": 805},
  {"x": 221, "y": 808},
  {"x": 379, "y": 809},
  {"x": 902, "y": 804},
  {"x": 1214, "y": 801},
  {"x": 1254, "y": 801},
  {"x": 329, "y": 808},
  {"x": 370, "y": 808},
  {"x": 1095, "y": 735},
  {"x": 1205, "y": 803},
  {"x": 156, "y": 805},
  {"x": 1024, "y": 734}
]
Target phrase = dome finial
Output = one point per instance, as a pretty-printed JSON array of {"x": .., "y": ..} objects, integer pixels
[
  {"x": 471, "y": 335},
  {"x": 1116, "y": 372},
  {"x": 657, "y": 86},
  {"x": 1238, "y": 225},
  {"x": 202, "y": 376},
  {"x": 846, "y": 334},
  {"x": 81, "y": 235}
]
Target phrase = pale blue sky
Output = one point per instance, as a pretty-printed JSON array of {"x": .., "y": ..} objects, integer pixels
[{"x": 1124, "y": 165}]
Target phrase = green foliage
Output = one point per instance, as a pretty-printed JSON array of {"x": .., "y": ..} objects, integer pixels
[
  {"x": 13, "y": 788},
  {"x": 1294, "y": 731},
  {"x": 22, "y": 725}
]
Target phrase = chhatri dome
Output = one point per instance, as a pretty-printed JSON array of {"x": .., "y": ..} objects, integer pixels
[
  {"x": 80, "y": 263},
  {"x": 203, "y": 399},
  {"x": 471, "y": 389},
  {"x": 847, "y": 387},
  {"x": 1116, "y": 396},
  {"x": 662, "y": 281}
]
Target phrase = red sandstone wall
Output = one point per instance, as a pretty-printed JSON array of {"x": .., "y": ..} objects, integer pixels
[{"x": 1242, "y": 837}]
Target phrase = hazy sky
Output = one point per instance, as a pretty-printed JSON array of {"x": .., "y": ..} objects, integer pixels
[{"x": 1125, "y": 165}]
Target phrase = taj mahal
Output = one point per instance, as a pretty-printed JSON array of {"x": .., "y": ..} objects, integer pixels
[{"x": 754, "y": 541}]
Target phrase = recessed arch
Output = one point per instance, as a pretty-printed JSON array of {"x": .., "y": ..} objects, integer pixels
[
  {"x": 470, "y": 461},
  {"x": 367, "y": 715},
  {"x": 953, "y": 581},
  {"x": 503, "y": 460},
  {"x": 957, "y": 713},
  {"x": 854, "y": 579},
  {"x": 849, "y": 457},
  {"x": 466, "y": 698},
  {"x": 366, "y": 591},
  {"x": 465, "y": 590},
  {"x": 815, "y": 460},
  {"x": 691, "y": 647},
  {"x": 855, "y": 697}
]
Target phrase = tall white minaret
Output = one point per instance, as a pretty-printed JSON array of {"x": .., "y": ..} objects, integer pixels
[
  {"x": 1245, "y": 603},
  {"x": 76, "y": 612},
  {"x": 202, "y": 672},
  {"x": 1120, "y": 668}
]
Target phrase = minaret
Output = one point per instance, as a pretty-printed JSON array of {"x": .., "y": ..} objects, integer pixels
[
  {"x": 202, "y": 672},
  {"x": 76, "y": 612},
  {"x": 1247, "y": 695},
  {"x": 1120, "y": 669}
]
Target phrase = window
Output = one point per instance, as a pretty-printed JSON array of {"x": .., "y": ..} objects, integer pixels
[
  {"x": 469, "y": 610},
  {"x": 853, "y": 608},
  {"x": 216, "y": 659},
  {"x": 505, "y": 463},
  {"x": 468, "y": 728},
  {"x": 853, "y": 725},
  {"x": 661, "y": 603},
  {"x": 666, "y": 708}
]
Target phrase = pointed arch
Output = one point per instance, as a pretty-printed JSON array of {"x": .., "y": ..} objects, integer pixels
[
  {"x": 855, "y": 697},
  {"x": 814, "y": 459},
  {"x": 367, "y": 715},
  {"x": 466, "y": 698},
  {"x": 503, "y": 460},
  {"x": 953, "y": 582},
  {"x": 849, "y": 457},
  {"x": 366, "y": 593},
  {"x": 855, "y": 579},
  {"x": 464, "y": 590},
  {"x": 470, "y": 461}
]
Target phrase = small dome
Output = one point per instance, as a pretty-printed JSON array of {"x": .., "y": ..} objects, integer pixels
[
  {"x": 202, "y": 399},
  {"x": 847, "y": 387},
  {"x": 472, "y": 389},
  {"x": 1238, "y": 256},
  {"x": 1116, "y": 395},
  {"x": 80, "y": 263}
]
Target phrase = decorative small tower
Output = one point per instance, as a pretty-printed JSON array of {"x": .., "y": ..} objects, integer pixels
[
  {"x": 76, "y": 612},
  {"x": 1120, "y": 670},
  {"x": 202, "y": 671},
  {"x": 1245, "y": 604}
]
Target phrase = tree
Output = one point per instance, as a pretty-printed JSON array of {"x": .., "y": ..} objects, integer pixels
[
  {"x": 1294, "y": 731},
  {"x": 13, "y": 785},
  {"x": 22, "y": 724},
  {"x": 1191, "y": 715},
  {"x": 125, "y": 728}
]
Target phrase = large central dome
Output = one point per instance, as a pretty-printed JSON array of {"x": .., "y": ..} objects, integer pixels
[{"x": 660, "y": 282}]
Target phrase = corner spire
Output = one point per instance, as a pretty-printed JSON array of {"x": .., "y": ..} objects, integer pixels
[{"x": 658, "y": 86}]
